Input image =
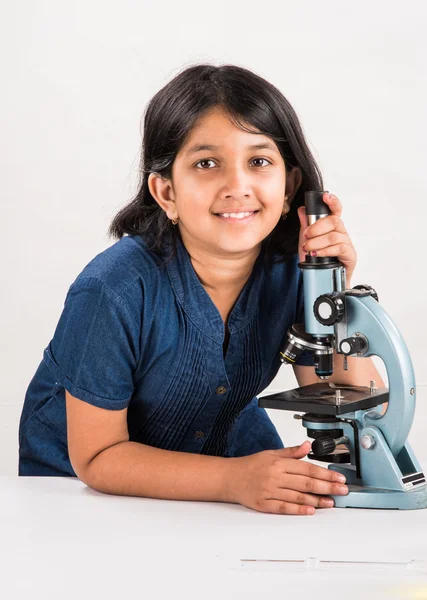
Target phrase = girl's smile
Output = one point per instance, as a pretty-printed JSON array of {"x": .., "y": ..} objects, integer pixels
[{"x": 237, "y": 217}]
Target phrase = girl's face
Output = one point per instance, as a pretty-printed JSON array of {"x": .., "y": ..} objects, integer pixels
[{"x": 231, "y": 176}]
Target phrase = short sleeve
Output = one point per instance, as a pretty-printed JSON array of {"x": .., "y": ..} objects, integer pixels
[
  {"x": 306, "y": 358},
  {"x": 94, "y": 351}
]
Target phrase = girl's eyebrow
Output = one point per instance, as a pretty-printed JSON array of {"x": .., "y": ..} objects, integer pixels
[{"x": 200, "y": 147}]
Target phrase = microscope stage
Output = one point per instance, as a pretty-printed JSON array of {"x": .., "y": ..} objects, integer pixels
[{"x": 321, "y": 398}]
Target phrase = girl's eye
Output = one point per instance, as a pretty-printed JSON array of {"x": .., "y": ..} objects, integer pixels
[
  {"x": 205, "y": 160},
  {"x": 262, "y": 159},
  {"x": 208, "y": 160}
]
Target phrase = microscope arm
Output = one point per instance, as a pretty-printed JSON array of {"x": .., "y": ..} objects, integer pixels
[{"x": 365, "y": 315}]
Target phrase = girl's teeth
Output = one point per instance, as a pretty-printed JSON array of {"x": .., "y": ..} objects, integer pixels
[{"x": 236, "y": 215}]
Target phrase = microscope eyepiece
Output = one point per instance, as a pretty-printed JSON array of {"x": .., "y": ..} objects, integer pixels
[
  {"x": 315, "y": 209},
  {"x": 314, "y": 204}
]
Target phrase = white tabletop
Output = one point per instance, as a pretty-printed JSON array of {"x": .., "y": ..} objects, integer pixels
[{"x": 60, "y": 539}]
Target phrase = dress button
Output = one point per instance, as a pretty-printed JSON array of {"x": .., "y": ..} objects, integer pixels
[
  {"x": 221, "y": 389},
  {"x": 199, "y": 434}
]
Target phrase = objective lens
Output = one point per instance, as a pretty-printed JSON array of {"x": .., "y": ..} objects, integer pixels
[
  {"x": 323, "y": 364},
  {"x": 290, "y": 352}
]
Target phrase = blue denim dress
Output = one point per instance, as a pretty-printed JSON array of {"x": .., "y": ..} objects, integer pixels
[{"x": 138, "y": 334}]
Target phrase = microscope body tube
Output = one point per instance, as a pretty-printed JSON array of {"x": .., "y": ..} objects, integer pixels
[
  {"x": 317, "y": 282},
  {"x": 320, "y": 278}
]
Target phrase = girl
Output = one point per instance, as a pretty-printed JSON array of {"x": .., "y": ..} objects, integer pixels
[{"x": 149, "y": 385}]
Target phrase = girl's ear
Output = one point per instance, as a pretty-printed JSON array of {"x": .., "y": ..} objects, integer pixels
[
  {"x": 293, "y": 182},
  {"x": 162, "y": 192}
]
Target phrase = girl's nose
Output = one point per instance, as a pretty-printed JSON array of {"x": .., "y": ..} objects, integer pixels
[{"x": 236, "y": 182}]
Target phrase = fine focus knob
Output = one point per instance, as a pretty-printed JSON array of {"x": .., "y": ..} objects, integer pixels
[
  {"x": 323, "y": 446},
  {"x": 353, "y": 345},
  {"x": 329, "y": 308}
]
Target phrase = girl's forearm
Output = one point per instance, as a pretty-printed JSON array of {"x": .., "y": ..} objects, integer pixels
[{"x": 134, "y": 469}]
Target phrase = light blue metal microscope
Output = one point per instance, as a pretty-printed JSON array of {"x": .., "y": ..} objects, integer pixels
[{"x": 348, "y": 425}]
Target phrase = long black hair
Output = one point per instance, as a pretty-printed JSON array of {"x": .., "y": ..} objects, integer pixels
[{"x": 250, "y": 101}]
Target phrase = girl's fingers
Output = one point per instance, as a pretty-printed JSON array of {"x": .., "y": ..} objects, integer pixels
[
  {"x": 278, "y": 507},
  {"x": 329, "y": 240},
  {"x": 344, "y": 252},
  {"x": 311, "y": 470},
  {"x": 325, "y": 225},
  {"x": 301, "y": 483},
  {"x": 327, "y": 237},
  {"x": 333, "y": 203},
  {"x": 334, "y": 238},
  {"x": 294, "y": 497},
  {"x": 293, "y": 451}
]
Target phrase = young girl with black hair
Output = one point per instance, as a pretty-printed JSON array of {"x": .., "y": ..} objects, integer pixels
[{"x": 149, "y": 385}]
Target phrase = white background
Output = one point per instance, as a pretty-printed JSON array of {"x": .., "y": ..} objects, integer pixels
[{"x": 76, "y": 77}]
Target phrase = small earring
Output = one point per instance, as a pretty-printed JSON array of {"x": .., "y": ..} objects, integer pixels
[
  {"x": 285, "y": 214},
  {"x": 174, "y": 221}
]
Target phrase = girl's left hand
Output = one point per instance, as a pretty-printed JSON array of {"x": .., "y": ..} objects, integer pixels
[{"x": 327, "y": 237}]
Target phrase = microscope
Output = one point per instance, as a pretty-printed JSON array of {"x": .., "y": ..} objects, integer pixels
[{"x": 350, "y": 430}]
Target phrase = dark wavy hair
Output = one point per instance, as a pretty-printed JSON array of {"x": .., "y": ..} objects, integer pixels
[{"x": 250, "y": 101}]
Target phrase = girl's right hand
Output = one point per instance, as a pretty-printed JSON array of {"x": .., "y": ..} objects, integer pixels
[{"x": 276, "y": 481}]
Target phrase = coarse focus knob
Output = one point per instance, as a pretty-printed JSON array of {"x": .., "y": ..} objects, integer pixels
[
  {"x": 367, "y": 288},
  {"x": 329, "y": 308},
  {"x": 323, "y": 446}
]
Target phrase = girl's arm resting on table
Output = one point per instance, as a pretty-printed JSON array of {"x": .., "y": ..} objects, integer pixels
[
  {"x": 104, "y": 459},
  {"x": 269, "y": 481}
]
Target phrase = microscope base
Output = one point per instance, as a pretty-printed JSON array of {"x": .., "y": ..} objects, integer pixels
[{"x": 370, "y": 497}]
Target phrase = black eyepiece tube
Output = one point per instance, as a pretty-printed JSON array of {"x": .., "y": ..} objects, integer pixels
[{"x": 314, "y": 204}]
